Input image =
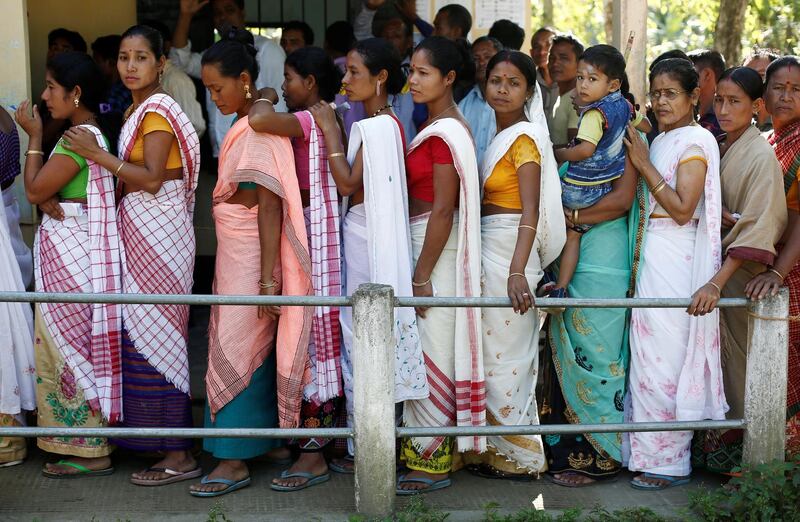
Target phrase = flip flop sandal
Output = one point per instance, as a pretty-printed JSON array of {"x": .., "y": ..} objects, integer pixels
[
  {"x": 311, "y": 480},
  {"x": 174, "y": 476},
  {"x": 83, "y": 471},
  {"x": 339, "y": 468},
  {"x": 11, "y": 463},
  {"x": 433, "y": 485},
  {"x": 671, "y": 482},
  {"x": 232, "y": 486}
]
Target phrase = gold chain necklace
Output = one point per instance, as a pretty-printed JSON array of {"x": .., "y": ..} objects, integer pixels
[
  {"x": 442, "y": 112},
  {"x": 135, "y": 106}
]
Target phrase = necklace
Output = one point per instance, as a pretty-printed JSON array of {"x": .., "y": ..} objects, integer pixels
[
  {"x": 451, "y": 106},
  {"x": 135, "y": 106},
  {"x": 387, "y": 106},
  {"x": 87, "y": 120}
]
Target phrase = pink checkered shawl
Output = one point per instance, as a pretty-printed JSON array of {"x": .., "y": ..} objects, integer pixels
[
  {"x": 70, "y": 257},
  {"x": 326, "y": 264},
  {"x": 247, "y": 156},
  {"x": 159, "y": 247},
  {"x": 470, "y": 390}
]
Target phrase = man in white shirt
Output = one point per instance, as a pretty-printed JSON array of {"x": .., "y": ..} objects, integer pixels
[{"x": 226, "y": 13}]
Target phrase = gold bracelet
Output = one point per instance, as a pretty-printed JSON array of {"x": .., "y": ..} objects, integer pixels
[
  {"x": 527, "y": 226},
  {"x": 420, "y": 285},
  {"x": 335, "y": 155},
  {"x": 659, "y": 187},
  {"x": 776, "y": 273},
  {"x": 35, "y": 152},
  {"x": 262, "y": 284},
  {"x": 518, "y": 274},
  {"x": 715, "y": 285},
  {"x": 264, "y": 100},
  {"x": 574, "y": 216},
  {"x": 121, "y": 163}
]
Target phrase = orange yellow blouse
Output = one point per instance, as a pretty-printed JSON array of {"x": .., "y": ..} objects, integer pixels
[
  {"x": 153, "y": 122},
  {"x": 502, "y": 187}
]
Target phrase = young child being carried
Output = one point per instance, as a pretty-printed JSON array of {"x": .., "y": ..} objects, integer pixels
[{"x": 597, "y": 156}]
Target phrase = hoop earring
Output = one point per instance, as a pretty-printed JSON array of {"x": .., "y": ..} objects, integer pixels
[
  {"x": 247, "y": 94},
  {"x": 77, "y": 102},
  {"x": 378, "y": 88}
]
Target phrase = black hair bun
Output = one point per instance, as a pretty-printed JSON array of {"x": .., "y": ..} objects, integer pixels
[{"x": 242, "y": 36}]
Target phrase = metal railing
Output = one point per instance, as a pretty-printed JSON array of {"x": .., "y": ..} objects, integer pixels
[{"x": 374, "y": 413}]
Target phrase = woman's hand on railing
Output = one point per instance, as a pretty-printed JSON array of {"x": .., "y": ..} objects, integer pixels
[
  {"x": 764, "y": 284},
  {"x": 273, "y": 312},
  {"x": 520, "y": 294},
  {"x": 704, "y": 300},
  {"x": 422, "y": 291}
]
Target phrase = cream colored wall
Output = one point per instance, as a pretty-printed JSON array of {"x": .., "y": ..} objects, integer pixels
[{"x": 91, "y": 18}]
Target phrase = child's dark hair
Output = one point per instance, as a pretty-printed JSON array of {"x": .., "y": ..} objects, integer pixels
[
  {"x": 152, "y": 36},
  {"x": 234, "y": 54},
  {"x": 678, "y": 69},
  {"x": 378, "y": 54},
  {"x": 572, "y": 40},
  {"x": 297, "y": 25},
  {"x": 781, "y": 63},
  {"x": 447, "y": 55},
  {"x": 458, "y": 16},
  {"x": 313, "y": 61},
  {"x": 606, "y": 58},
  {"x": 747, "y": 79},
  {"x": 76, "y": 69},
  {"x": 518, "y": 59}
]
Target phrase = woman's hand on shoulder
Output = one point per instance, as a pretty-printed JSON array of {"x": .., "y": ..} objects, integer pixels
[
  {"x": 325, "y": 116},
  {"x": 82, "y": 142},
  {"x": 30, "y": 121},
  {"x": 637, "y": 150},
  {"x": 704, "y": 300}
]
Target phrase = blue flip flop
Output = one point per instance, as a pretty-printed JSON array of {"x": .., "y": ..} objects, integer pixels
[
  {"x": 312, "y": 480},
  {"x": 671, "y": 482},
  {"x": 232, "y": 486},
  {"x": 433, "y": 485}
]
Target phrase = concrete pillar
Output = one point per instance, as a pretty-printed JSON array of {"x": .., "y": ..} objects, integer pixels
[
  {"x": 631, "y": 15},
  {"x": 765, "y": 384},
  {"x": 373, "y": 374}
]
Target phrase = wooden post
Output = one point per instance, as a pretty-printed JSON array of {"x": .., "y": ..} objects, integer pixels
[
  {"x": 765, "y": 384},
  {"x": 631, "y": 15},
  {"x": 373, "y": 375}
]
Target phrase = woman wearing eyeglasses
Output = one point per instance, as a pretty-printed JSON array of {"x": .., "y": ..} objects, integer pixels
[{"x": 675, "y": 371}]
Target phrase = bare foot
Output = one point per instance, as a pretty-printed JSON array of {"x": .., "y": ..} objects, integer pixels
[
  {"x": 235, "y": 470},
  {"x": 313, "y": 462},
  {"x": 416, "y": 486},
  {"x": 570, "y": 478},
  {"x": 95, "y": 464},
  {"x": 182, "y": 461}
]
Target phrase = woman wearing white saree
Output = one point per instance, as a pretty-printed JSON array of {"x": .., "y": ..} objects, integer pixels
[
  {"x": 522, "y": 231},
  {"x": 375, "y": 237},
  {"x": 445, "y": 235},
  {"x": 675, "y": 370}
]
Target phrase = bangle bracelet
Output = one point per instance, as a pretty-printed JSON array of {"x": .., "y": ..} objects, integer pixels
[
  {"x": 335, "y": 155},
  {"x": 419, "y": 285},
  {"x": 264, "y": 100},
  {"x": 121, "y": 163},
  {"x": 527, "y": 226},
  {"x": 518, "y": 274},
  {"x": 35, "y": 152},
  {"x": 574, "y": 216},
  {"x": 659, "y": 187},
  {"x": 715, "y": 285},
  {"x": 776, "y": 273},
  {"x": 262, "y": 284}
]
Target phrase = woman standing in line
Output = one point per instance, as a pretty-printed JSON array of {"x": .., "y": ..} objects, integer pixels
[
  {"x": 77, "y": 249},
  {"x": 522, "y": 231},
  {"x": 310, "y": 78},
  {"x": 782, "y": 98},
  {"x": 444, "y": 205},
  {"x": 262, "y": 249},
  {"x": 675, "y": 371},
  {"x": 157, "y": 176}
]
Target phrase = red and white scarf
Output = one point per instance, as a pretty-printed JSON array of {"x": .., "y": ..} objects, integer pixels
[
  {"x": 71, "y": 257},
  {"x": 326, "y": 262},
  {"x": 159, "y": 247}
]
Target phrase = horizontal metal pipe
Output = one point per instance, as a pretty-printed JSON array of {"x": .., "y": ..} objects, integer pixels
[
  {"x": 179, "y": 433},
  {"x": 281, "y": 300},
  {"x": 568, "y": 429}
]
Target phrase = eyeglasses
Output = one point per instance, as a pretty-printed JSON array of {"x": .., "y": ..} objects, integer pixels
[{"x": 668, "y": 94}]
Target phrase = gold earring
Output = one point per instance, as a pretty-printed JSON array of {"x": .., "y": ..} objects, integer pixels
[
  {"x": 160, "y": 76},
  {"x": 247, "y": 94},
  {"x": 77, "y": 102}
]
